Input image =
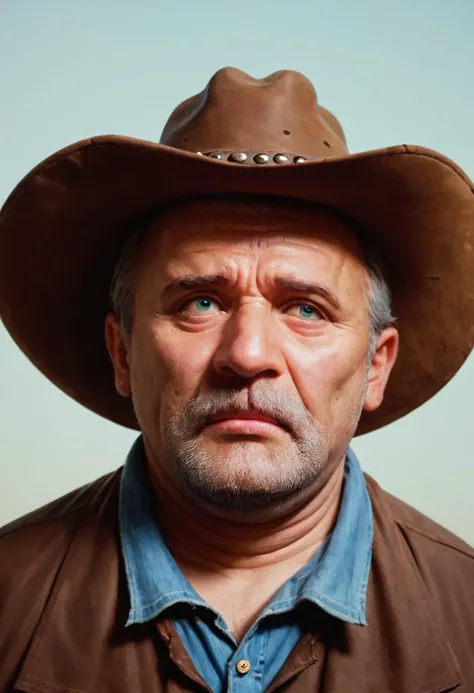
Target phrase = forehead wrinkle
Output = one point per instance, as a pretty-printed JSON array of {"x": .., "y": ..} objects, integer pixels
[
  {"x": 251, "y": 239},
  {"x": 176, "y": 244},
  {"x": 253, "y": 249},
  {"x": 280, "y": 261}
]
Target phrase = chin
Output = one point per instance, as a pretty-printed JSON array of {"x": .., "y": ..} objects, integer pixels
[
  {"x": 247, "y": 478},
  {"x": 249, "y": 488}
]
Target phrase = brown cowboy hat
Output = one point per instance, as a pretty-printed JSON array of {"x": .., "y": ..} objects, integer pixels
[{"x": 62, "y": 228}]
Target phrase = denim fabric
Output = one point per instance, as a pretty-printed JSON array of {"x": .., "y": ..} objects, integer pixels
[{"x": 335, "y": 580}]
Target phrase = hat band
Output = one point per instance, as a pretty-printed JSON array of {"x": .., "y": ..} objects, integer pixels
[{"x": 255, "y": 157}]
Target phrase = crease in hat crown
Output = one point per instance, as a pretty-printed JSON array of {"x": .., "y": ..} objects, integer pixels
[{"x": 243, "y": 120}]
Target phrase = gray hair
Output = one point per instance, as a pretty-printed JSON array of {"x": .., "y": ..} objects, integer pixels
[
  {"x": 379, "y": 296},
  {"x": 124, "y": 281}
]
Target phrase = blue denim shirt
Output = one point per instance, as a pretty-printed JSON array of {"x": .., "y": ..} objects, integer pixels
[{"x": 335, "y": 580}]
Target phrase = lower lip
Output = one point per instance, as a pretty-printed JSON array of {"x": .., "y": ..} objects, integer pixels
[{"x": 245, "y": 427}]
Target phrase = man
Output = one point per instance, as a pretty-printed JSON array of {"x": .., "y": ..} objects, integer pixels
[{"x": 250, "y": 263}]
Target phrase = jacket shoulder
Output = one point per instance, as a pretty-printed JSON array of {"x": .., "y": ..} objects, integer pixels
[
  {"x": 442, "y": 560},
  {"x": 32, "y": 550},
  {"x": 416, "y": 524},
  {"x": 413, "y": 522},
  {"x": 443, "y": 564},
  {"x": 35, "y": 543}
]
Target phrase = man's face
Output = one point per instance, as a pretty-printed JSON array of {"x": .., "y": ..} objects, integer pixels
[{"x": 248, "y": 357}]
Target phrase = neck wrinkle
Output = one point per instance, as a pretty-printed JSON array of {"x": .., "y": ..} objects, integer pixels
[{"x": 200, "y": 542}]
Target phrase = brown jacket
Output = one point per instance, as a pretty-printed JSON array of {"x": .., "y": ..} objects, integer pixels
[{"x": 63, "y": 606}]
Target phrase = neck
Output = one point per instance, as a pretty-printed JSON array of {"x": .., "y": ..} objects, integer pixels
[
  {"x": 237, "y": 568},
  {"x": 197, "y": 539}
]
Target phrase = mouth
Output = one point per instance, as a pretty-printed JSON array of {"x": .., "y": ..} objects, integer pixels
[{"x": 244, "y": 423}]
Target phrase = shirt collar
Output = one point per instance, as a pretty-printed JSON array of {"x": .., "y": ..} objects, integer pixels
[
  {"x": 335, "y": 579},
  {"x": 154, "y": 579},
  {"x": 337, "y": 576}
]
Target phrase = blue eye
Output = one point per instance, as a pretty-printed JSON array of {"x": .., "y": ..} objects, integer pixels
[
  {"x": 203, "y": 304},
  {"x": 305, "y": 310},
  {"x": 200, "y": 305}
]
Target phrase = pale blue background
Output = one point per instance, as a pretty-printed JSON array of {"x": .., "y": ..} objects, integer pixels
[{"x": 392, "y": 71}]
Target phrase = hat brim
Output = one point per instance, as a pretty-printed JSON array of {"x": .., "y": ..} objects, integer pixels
[{"x": 62, "y": 228}]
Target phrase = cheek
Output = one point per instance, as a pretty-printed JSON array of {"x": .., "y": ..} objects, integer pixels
[
  {"x": 167, "y": 370},
  {"x": 329, "y": 378}
]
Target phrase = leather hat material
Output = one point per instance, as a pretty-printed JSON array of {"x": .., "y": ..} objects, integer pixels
[{"x": 62, "y": 228}]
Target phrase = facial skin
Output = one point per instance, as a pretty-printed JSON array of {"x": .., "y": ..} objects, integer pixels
[{"x": 247, "y": 361}]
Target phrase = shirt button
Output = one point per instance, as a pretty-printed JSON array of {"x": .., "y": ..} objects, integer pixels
[{"x": 243, "y": 666}]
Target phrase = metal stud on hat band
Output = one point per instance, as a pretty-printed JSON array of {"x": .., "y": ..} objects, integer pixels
[{"x": 238, "y": 157}]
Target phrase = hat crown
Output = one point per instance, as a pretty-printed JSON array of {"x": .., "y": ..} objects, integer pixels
[{"x": 238, "y": 113}]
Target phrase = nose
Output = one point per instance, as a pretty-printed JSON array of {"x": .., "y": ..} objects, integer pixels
[{"x": 250, "y": 345}]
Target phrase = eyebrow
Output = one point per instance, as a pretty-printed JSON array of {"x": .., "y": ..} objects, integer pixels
[
  {"x": 193, "y": 281},
  {"x": 207, "y": 281},
  {"x": 304, "y": 287}
]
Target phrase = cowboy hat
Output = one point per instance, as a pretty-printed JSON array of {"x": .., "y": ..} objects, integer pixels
[{"x": 62, "y": 228}]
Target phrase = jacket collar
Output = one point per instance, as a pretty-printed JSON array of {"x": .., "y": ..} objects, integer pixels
[{"x": 88, "y": 607}]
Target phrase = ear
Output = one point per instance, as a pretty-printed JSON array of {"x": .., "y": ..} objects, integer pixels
[
  {"x": 381, "y": 366},
  {"x": 118, "y": 352}
]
